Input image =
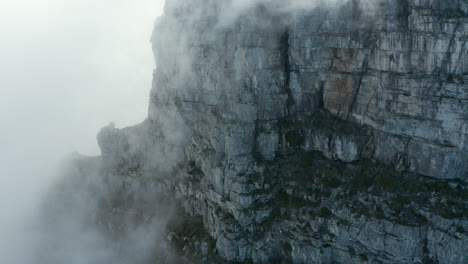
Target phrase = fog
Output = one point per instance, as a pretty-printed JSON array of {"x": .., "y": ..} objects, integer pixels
[{"x": 67, "y": 68}]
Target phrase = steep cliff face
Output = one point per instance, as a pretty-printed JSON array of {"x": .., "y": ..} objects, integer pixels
[
  {"x": 397, "y": 68},
  {"x": 329, "y": 134}
]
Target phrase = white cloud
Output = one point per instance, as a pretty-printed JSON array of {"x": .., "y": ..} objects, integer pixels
[{"x": 67, "y": 68}]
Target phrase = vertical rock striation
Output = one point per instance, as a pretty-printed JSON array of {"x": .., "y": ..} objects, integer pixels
[{"x": 333, "y": 134}]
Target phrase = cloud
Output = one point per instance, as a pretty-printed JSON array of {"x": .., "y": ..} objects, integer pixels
[{"x": 68, "y": 68}]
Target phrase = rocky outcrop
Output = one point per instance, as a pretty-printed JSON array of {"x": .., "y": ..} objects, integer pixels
[
  {"x": 396, "y": 68},
  {"x": 245, "y": 102}
]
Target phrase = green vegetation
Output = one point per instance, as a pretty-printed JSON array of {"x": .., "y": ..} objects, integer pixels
[
  {"x": 186, "y": 231},
  {"x": 325, "y": 212},
  {"x": 258, "y": 157},
  {"x": 327, "y": 121},
  {"x": 452, "y": 14},
  {"x": 292, "y": 131},
  {"x": 254, "y": 177},
  {"x": 228, "y": 218},
  {"x": 363, "y": 257},
  {"x": 294, "y": 138},
  {"x": 368, "y": 189},
  {"x": 191, "y": 163},
  {"x": 287, "y": 247},
  {"x": 211, "y": 244},
  {"x": 306, "y": 159},
  {"x": 193, "y": 170},
  {"x": 450, "y": 78}
]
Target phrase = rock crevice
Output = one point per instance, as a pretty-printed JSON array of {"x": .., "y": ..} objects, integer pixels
[{"x": 338, "y": 136}]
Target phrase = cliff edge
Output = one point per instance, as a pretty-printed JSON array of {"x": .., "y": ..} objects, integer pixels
[{"x": 332, "y": 133}]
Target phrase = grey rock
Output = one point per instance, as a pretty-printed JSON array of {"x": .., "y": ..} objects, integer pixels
[{"x": 382, "y": 82}]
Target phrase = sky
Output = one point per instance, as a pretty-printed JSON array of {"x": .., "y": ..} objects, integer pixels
[{"x": 67, "y": 68}]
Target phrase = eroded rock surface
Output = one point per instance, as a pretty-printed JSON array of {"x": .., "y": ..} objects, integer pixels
[{"x": 336, "y": 134}]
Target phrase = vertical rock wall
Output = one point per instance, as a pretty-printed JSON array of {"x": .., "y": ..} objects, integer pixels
[{"x": 237, "y": 95}]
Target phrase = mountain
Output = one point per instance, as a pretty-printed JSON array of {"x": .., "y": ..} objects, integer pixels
[{"x": 281, "y": 132}]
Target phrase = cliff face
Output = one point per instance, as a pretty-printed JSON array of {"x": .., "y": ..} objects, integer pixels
[{"x": 332, "y": 134}]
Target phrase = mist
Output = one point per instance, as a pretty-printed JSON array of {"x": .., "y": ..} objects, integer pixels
[{"x": 68, "y": 68}]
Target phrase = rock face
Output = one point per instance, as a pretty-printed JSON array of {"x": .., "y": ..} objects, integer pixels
[{"x": 326, "y": 134}]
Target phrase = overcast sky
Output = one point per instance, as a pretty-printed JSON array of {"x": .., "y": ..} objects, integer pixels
[{"x": 67, "y": 68}]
